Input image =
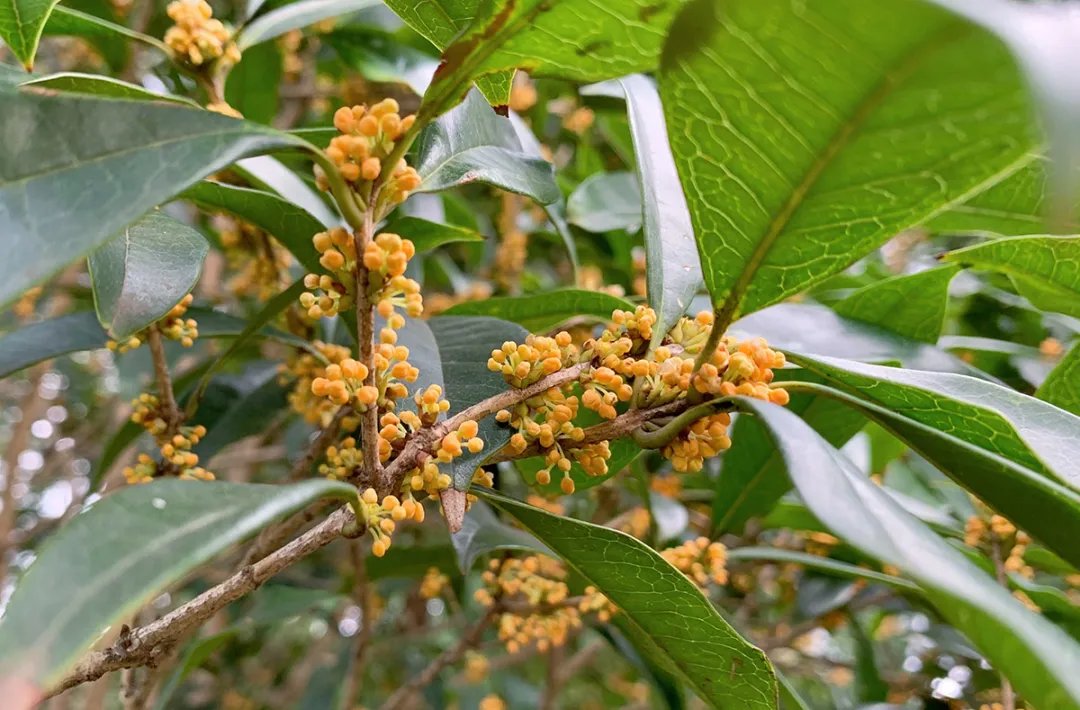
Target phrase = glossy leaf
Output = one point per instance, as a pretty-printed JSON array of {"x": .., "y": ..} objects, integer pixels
[
  {"x": 97, "y": 85},
  {"x": 1032, "y": 433},
  {"x": 465, "y": 344},
  {"x": 482, "y": 532},
  {"x": 474, "y": 144},
  {"x": 1017, "y": 205},
  {"x": 21, "y": 23},
  {"x": 604, "y": 202},
  {"x": 752, "y": 474},
  {"x": 1062, "y": 387},
  {"x": 295, "y": 16},
  {"x": 1048, "y": 510},
  {"x": 582, "y": 40},
  {"x": 251, "y": 412},
  {"x": 656, "y": 601},
  {"x": 912, "y": 306},
  {"x": 69, "y": 21},
  {"x": 1035, "y": 655},
  {"x": 1045, "y": 270},
  {"x": 110, "y": 560},
  {"x": 380, "y": 57},
  {"x": 673, "y": 267},
  {"x": 290, "y": 224},
  {"x": 268, "y": 173},
  {"x": 544, "y": 311},
  {"x": 252, "y": 85},
  {"x": 788, "y": 187},
  {"x": 427, "y": 235},
  {"x": 820, "y": 564},
  {"x": 60, "y": 199},
  {"x": 821, "y": 331},
  {"x": 139, "y": 275},
  {"x": 76, "y": 332}
]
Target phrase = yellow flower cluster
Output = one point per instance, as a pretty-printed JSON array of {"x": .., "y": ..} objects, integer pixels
[
  {"x": 367, "y": 140},
  {"x": 306, "y": 367},
  {"x": 176, "y": 450},
  {"x": 476, "y": 666},
  {"x": 261, "y": 264},
  {"x": 700, "y": 560},
  {"x": 525, "y": 363},
  {"x": 337, "y": 250},
  {"x": 382, "y": 517},
  {"x": 386, "y": 258},
  {"x": 704, "y": 438},
  {"x": 344, "y": 384},
  {"x": 538, "y": 607},
  {"x": 433, "y": 583},
  {"x": 983, "y": 531},
  {"x": 173, "y": 326},
  {"x": 196, "y": 38}
]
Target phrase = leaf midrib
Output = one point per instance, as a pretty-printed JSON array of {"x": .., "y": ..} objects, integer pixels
[{"x": 841, "y": 138}]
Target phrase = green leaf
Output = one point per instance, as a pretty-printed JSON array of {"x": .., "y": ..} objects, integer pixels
[
  {"x": 69, "y": 21},
  {"x": 250, "y": 413},
  {"x": 1048, "y": 510},
  {"x": 819, "y": 564},
  {"x": 114, "y": 557},
  {"x": 139, "y": 275},
  {"x": 474, "y": 144},
  {"x": 604, "y": 202},
  {"x": 822, "y": 331},
  {"x": 1032, "y": 433},
  {"x": 674, "y": 268},
  {"x": 21, "y": 23},
  {"x": 102, "y": 86},
  {"x": 290, "y": 224},
  {"x": 659, "y": 603},
  {"x": 912, "y": 306},
  {"x": 541, "y": 312},
  {"x": 251, "y": 86},
  {"x": 295, "y": 16},
  {"x": 482, "y": 532},
  {"x": 380, "y": 57},
  {"x": 267, "y": 173},
  {"x": 440, "y": 22},
  {"x": 1035, "y": 655},
  {"x": 1014, "y": 206},
  {"x": 778, "y": 118},
  {"x": 60, "y": 199},
  {"x": 1045, "y": 270},
  {"x": 465, "y": 344},
  {"x": 752, "y": 475},
  {"x": 583, "y": 40},
  {"x": 76, "y": 332},
  {"x": 427, "y": 235},
  {"x": 1062, "y": 386}
]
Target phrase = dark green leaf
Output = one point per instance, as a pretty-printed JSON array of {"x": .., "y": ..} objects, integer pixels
[
  {"x": 250, "y": 413},
  {"x": 482, "y": 532},
  {"x": 657, "y": 602},
  {"x": 580, "y": 41},
  {"x": 912, "y": 306},
  {"x": 288, "y": 223},
  {"x": 139, "y": 275},
  {"x": 1062, "y": 386},
  {"x": 103, "y": 86},
  {"x": 295, "y": 16},
  {"x": 1045, "y": 270},
  {"x": 1032, "y": 433},
  {"x": 378, "y": 56},
  {"x": 787, "y": 187},
  {"x": 252, "y": 85},
  {"x": 427, "y": 235},
  {"x": 474, "y": 144},
  {"x": 674, "y": 269},
  {"x": 1035, "y": 655},
  {"x": 21, "y": 23},
  {"x": 114, "y": 557},
  {"x": 1048, "y": 510},
  {"x": 541, "y": 312},
  {"x": 465, "y": 344},
  {"x": 60, "y": 199},
  {"x": 604, "y": 202},
  {"x": 69, "y": 21}
]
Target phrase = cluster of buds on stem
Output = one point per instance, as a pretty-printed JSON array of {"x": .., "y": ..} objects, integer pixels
[
  {"x": 173, "y": 326},
  {"x": 174, "y": 442},
  {"x": 382, "y": 517},
  {"x": 700, "y": 560},
  {"x": 537, "y": 606},
  {"x": 368, "y": 138},
  {"x": 987, "y": 531},
  {"x": 196, "y": 39}
]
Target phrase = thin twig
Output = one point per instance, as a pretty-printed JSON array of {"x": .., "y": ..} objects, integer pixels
[
  {"x": 147, "y": 644},
  {"x": 173, "y": 416},
  {"x": 450, "y": 656}
]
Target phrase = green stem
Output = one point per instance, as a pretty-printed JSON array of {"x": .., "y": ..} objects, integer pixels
[
  {"x": 343, "y": 195},
  {"x": 662, "y": 437}
]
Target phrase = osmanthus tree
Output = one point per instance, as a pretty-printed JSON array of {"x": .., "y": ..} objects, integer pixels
[{"x": 604, "y": 354}]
